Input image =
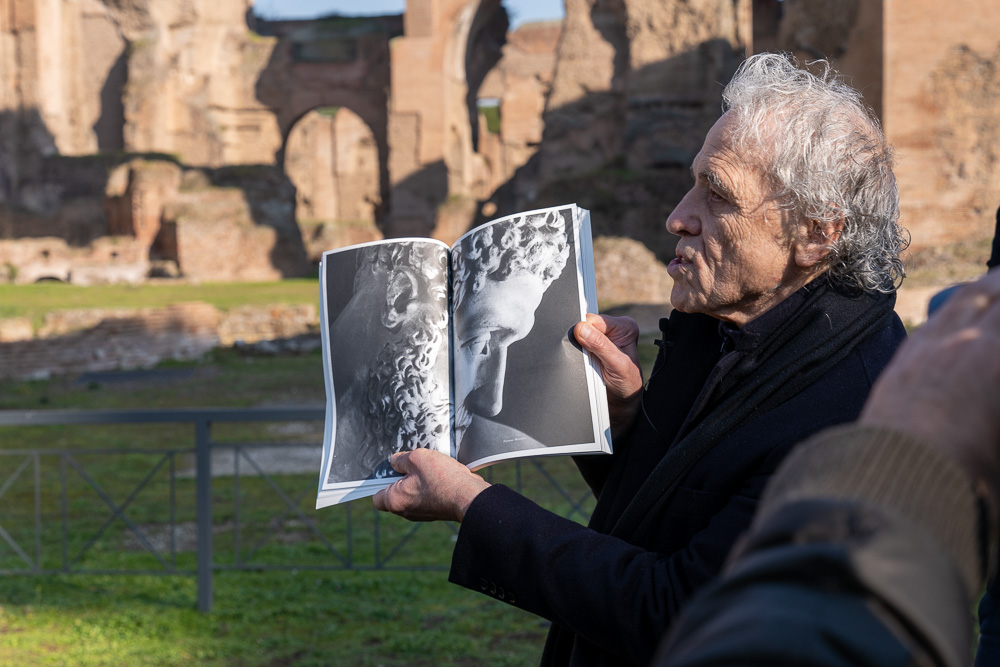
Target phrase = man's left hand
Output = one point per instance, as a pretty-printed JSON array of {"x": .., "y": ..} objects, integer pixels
[
  {"x": 614, "y": 343},
  {"x": 436, "y": 487}
]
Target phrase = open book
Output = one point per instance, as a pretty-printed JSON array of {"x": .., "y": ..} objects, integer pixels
[{"x": 467, "y": 350}]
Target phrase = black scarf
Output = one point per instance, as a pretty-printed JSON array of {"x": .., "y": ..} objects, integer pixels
[{"x": 817, "y": 336}]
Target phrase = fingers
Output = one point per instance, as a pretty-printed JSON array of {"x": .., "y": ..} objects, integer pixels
[
  {"x": 590, "y": 337},
  {"x": 391, "y": 499},
  {"x": 380, "y": 501},
  {"x": 435, "y": 487},
  {"x": 398, "y": 497},
  {"x": 967, "y": 306},
  {"x": 943, "y": 385},
  {"x": 399, "y": 461},
  {"x": 613, "y": 341},
  {"x": 622, "y": 331}
]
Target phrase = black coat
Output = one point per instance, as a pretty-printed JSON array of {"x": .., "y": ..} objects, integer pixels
[{"x": 664, "y": 524}]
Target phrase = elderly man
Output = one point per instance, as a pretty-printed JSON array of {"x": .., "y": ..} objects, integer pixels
[{"x": 784, "y": 287}]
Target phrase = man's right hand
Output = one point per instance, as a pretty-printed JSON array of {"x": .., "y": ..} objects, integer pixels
[
  {"x": 614, "y": 343},
  {"x": 436, "y": 487},
  {"x": 943, "y": 385}
]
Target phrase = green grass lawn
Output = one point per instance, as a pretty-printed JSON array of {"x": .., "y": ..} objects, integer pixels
[
  {"x": 269, "y": 617},
  {"x": 261, "y": 618},
  {"x": 33, "y": 301}
]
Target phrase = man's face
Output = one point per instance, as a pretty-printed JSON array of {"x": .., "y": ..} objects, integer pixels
[
  {"x": 502, "y": 312},
  {"x": 733, "y": 256}
]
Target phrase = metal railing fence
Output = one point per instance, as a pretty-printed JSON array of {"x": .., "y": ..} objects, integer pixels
[{"x": 39, "y": 484}]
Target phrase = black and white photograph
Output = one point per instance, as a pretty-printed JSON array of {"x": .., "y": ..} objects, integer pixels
[
  {"x": 388, "y": 355},
  {"x": 467, "y": 350},
  {"x": 516, "y": 294}
]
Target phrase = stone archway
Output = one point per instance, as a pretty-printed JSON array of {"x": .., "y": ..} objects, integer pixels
[
  {"x": 332, "y": 157},
  {"x": 341, "y": 63},
  {"x": 432, "y": 111},
  {"x": 475, "y": 44}
]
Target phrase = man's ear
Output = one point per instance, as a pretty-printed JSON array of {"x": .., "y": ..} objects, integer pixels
[
  {"x": 817, "y": 241},
  {"x": 399, "y": 294}
]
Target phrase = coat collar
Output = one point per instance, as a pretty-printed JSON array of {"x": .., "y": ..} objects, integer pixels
[{"x": 823, "y": 329}]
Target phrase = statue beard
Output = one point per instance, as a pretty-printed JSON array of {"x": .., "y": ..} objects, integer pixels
[
  {"x": 463, "y": 419},
  {"x": 405, "y": 407}
]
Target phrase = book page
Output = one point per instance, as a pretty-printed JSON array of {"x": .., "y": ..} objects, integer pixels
[
  {"x": 522, "y": 386},
  {"x": 384, "y": 326}
]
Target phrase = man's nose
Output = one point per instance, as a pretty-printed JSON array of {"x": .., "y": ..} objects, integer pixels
[
  {"x": 683, "y": 220},
  {"x": 488, "y": 396}
]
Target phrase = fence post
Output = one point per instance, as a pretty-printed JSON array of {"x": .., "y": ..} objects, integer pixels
[{"x": 203, "y": 480}]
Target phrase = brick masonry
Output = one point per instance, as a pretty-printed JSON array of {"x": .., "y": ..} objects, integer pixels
[{"x": 622, "y": 88}]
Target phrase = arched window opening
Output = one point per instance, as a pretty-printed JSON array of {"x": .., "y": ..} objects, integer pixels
[{"x": 331, "y": 157}]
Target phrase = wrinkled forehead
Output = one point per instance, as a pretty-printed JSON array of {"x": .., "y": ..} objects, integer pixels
[
  {"x": 730, "y": 164},
  {"x": 750, "y": 141}
]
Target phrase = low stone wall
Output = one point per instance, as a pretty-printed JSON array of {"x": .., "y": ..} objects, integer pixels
[
  {"x": 85, "y": 340},
  {"x": 77, "y": 341},
  {"x": 251, "y": 324}
]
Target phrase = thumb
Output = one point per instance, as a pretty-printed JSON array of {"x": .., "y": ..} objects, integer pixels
[
  {"x": 618, "y": 355},
  {"x": 400, "y": 462}
]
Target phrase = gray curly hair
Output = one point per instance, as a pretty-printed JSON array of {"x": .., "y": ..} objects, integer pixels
[
  {"x": 538, "y": 244},
  {"x": 828, "y": 160}
]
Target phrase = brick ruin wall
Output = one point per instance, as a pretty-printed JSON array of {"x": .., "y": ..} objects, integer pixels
[
  {"x": 620, "y": 83},
  {"x": 942, "y": 111},
  {"x": 932, "y": 72},
  {"x": 606, "y": 109},
  {"x": 190, "y": 86}
]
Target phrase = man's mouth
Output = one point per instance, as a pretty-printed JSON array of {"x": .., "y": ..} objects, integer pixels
[{"x": 678, "y": 262}]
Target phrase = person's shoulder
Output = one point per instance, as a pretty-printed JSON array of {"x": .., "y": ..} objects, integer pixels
[{"x": 878, "y": 347}]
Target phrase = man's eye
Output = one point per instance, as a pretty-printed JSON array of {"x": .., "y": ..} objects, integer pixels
[
  {"x": 478, "y": 345},
  {"x": 715, "y": 197}
]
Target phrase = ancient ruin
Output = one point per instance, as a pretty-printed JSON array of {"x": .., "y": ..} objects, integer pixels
[
  {"x": 192, "y": 139},
  {"x": 147, "y": 137},
  {"x": 932, "y": 72}
]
